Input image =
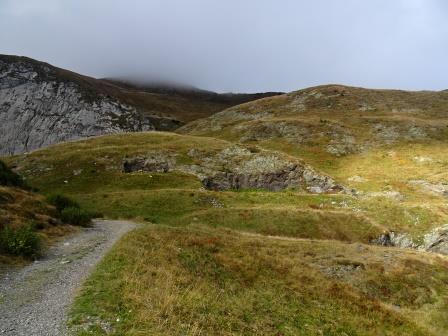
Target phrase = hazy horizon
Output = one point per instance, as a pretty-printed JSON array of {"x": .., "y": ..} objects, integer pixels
[{"x": 237, "y": 46}]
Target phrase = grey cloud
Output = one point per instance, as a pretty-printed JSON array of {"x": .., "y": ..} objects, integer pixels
[{"x": 235, "y": 45}]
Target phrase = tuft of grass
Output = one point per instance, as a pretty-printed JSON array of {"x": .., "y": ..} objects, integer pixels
[
  {"x": 76, "y": 216},
  {"x": 10, "y": 178},
  {"x": 19, "y": 208},
  {"x": 70, "y": 211},
  {"x": 23, "y": 241},
  {"x": 60, "y": 202}
]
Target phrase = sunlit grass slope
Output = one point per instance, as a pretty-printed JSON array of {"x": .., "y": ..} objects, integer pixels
[{"x": 200, "y": 281}]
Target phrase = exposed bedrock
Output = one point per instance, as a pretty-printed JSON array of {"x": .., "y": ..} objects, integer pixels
[
  {"x": 238, "y": 168},
  {"x": 434, "y": 241}
]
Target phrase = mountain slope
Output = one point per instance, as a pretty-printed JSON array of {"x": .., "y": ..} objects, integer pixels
[
  {"x": 372, "y": 140},
  {"x": 41, "y": 105},
  {"x": 339, "y": 119},
  {"x": 182, "y": 102}
]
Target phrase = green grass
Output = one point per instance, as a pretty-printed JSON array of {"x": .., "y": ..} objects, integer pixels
[
  {"x": 24, "y": 241},
  {"x": 300, "y": 223},
  {"x": 198, "y": 281}
]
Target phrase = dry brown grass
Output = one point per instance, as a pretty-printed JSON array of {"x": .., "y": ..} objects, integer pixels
[
  {"x": 201, "y": 281},
  {"x": 20, "y": 208}
]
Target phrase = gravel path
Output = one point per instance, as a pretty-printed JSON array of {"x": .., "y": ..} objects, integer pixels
[{"x": 34, "y": 300}]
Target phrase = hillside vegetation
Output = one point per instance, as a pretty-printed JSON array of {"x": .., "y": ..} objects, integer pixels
[
  {"x": 26, "y": 219},
  {"x": 30, "y": 222},
  {"x": 294, "y": 261}
]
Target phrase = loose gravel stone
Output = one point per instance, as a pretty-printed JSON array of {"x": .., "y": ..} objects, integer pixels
[{"x": 34, "y": 300}]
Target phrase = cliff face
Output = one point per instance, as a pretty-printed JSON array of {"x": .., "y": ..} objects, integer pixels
[{"x": 41, "y": 105}]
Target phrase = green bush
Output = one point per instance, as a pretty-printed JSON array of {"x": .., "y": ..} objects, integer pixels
[
  {"x": 76, "y": 216},
  {"x": 20, "y": 242},
  {"x": 61, "y": 202},
  {"x": 70, "y": 212},
  {"x": 9, "y": 178}
]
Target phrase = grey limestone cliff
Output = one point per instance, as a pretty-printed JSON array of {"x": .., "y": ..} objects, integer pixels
[{"x": 41, "y": 105}]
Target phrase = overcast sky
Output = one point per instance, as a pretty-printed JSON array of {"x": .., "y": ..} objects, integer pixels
[{"x": 238, "y": 45}]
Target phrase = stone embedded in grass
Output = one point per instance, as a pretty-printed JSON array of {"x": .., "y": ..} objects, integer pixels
[
  {"x": 356, "y": 179},
  {"x": 433, "y": 188}
]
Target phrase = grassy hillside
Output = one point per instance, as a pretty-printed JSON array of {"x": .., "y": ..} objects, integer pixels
[
  {"x": 247, "y": 262},
  {"x": 337, "y": 128},
  {"x": 91, "y": 172},
  {"x": 26, "y": 219},
  {"x": 380, "y": 142}
]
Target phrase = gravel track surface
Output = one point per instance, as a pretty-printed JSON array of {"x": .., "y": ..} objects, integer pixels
[{"x": 34, "y": 300}]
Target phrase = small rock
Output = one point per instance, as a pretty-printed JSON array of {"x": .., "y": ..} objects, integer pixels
[{"x": 357, "y": 179}]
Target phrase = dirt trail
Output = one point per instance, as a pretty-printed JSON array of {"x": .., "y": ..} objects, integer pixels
[{"x": 34, "y": 300}]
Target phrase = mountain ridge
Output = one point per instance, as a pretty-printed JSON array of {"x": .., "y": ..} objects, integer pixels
[{"x": 42, "y": 104}]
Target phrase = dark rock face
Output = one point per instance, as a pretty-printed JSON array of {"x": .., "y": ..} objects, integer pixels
[
  {"x": 225, "y": 181},
  {"x": 273, "y": 181},
  {"x": 156, "y": 163}
]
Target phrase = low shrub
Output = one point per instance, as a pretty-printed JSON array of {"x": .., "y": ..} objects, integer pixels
[
  {"x": 23, "y": 241},
  {"x": 9, "y": 178},
  {"x": 76, "y": 216},
  {"x": 70, "y": 212},
  {"x": 61, "y": 202}
]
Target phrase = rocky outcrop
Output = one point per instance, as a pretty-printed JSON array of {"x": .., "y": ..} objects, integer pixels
[
  {"x": 237, "y": 168},
  {"x": 402, "y": 240},
  {"x": 42, "y": 105},
  {"x": 436, "y": 240},
  {"x": 433, "y": 241},
  {"x": 432, "y": 188},
  {"x": 153, "y": 162}
]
